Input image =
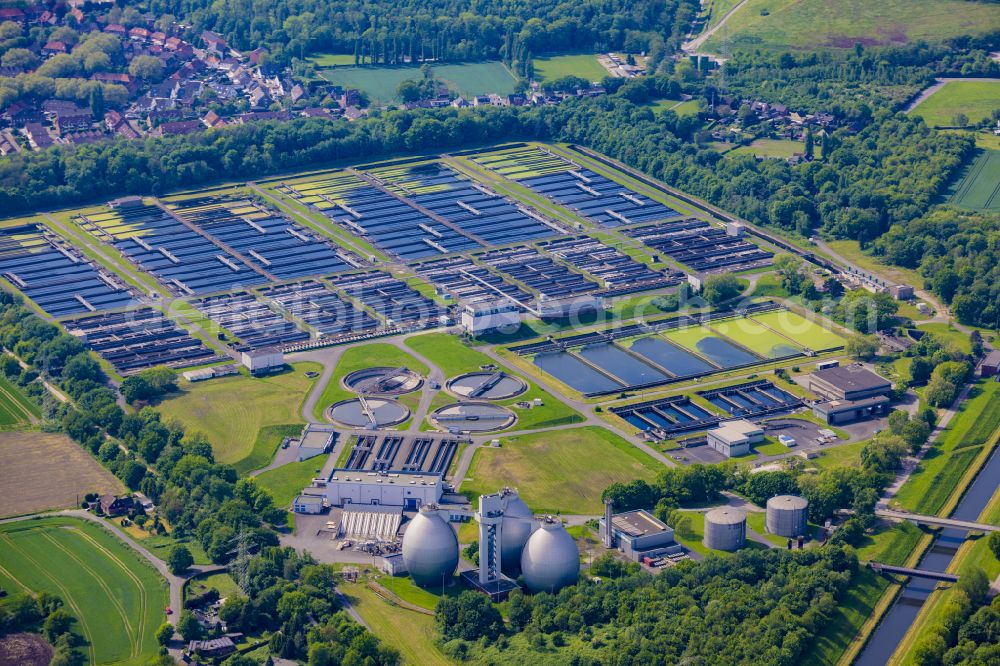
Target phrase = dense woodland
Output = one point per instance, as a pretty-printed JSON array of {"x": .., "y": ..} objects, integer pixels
[
  {"x": 759, "y": 606},
  {"x": 392, "y": 32}
]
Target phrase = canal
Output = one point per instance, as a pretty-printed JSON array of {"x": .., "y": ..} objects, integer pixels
[{"x": 904, "y": 610}]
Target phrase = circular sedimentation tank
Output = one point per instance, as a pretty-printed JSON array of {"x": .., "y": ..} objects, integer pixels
[
  {"x": 725, "y": 528},
  {"x": 473, "y": 417},
  {"x": 550, "y": 560},
  {"x": 517, "y": 529},
  {"x": 383, "y": 380},
  {"x": 487, "y": 386},
  {"x": 787, "y": 515},
  {"x": 380, "y": 413},
  {"x": 430, "y": 548}
]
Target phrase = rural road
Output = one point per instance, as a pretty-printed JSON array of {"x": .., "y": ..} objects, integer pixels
[{"x": 696, "y": 43}]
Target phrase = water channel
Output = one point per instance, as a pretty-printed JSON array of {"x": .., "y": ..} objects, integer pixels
[{"x": 904, "y": 610}]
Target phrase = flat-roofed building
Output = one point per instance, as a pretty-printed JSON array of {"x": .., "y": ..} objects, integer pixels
[
  {"x": 734, "y": 438},
  {"x": 311, "y": 504},
  {"x": 265, "y": 359},
  {"x": 848, "y": 382},
  {"x": 409, "y": 490},
  {"x": 489, "y": 315},
  {"x": 640, "y": 534},
  {"x": 845, "y": 411}
]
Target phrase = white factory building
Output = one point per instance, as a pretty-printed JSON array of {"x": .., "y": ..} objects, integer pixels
[
  {"x": 265, "y": 359},
  {"x": 734, "y": 438},
  {"x": 409, "y": 490},
  {"x": 489, "y": 315}
]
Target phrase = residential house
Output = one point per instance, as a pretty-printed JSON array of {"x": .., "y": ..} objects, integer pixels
[
  {"x": 178, "y": 128},
  {"x": 116, "y": 29},
  {"x": 113, "y": 505},
  {"x": 73, "y": 120},
  {"x": 212, "y": 119},
  {"x": 119, "y": 78},
  {"x": 138, "y": 34},
  {"x": 121, "y": 126},
  {"x": 38, "y": 136},
  {"x": 21, "y": 113},
  {"x": 52, "y": 48},
  {"x": 214, "y": 41},
  {"x": 12, "y": 14},
  {"x": 8, "y": 143}
]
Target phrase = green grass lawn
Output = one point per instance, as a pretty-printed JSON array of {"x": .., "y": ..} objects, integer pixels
[
  {"x": 468, "y": 79},
  {"x": 358, "y": 358},
  {"x": 404, "y": 588},
  {"x": 584, "y": 65},
  {"x": 812, "y": 24},
  {"x": 771, "y": 448},
  {"x": 116, "y": 597},
  {"x": 453, "y": 357},
  {"x": 222, "y": 582},
  {"x": 946, "y": 332},
  {"x": 332, "y": 59},
  {"x": 15, "y": 408},
  {"x": 410, "y": 632},
  {"x": 937, "y": 475},
  {"x": 757, "y": 521},
  {"x": 267, "y": 442},
  {"x": 287, "y": 481},
  {"x": 562, "y": 471},
  {"x": 978, "y": 188},
  {"x": 231, "y": 411},
  {"x": 776, "y": 148},
  {"x": 975, "y": 99}
]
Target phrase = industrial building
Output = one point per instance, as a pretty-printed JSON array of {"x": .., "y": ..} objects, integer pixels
[
  {"x": 311, "y": 504},
  {"x": 734, "y": 438},
  {"x": 639, "y": 534},
  {"x": 851, "y": 393},
  {"x": 848, "y": 382},
  {"x": 409, "y": 490},
  {"x": 990, "y": 366},
  {"x": 482, "y": 316},
  {"x": 260, "y": 361}
]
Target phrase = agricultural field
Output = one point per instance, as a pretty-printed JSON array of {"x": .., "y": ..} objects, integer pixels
[
  {"x": 231, "y": 411},
  {"x": 117, "y": 598},
  {"x": 978, "y": 187},
  {"x": 380, "y": 82},
  {"x": 16, "y": 409},
  {"x": 44, "y": 471},
  {"x": 586, "y": 66},
  {"x": 774, "y": 148},
  {"x": 816, "y": 24},
  {"x": 975, "y": 99},
  {"x": 560, "y": 471}
]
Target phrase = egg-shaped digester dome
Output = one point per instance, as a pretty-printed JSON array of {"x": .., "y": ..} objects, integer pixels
[
  {"x": 517, "y": 528},
  {"x": 430, "y": 548},
  {"x": 550, "y": 560}
]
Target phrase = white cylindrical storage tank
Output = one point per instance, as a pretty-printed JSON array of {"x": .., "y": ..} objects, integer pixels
[
  {"x": 725, "y": 528},
  {"x": 550, "y": 560},
  {"x": 517, "y": 527},
  {"x": 430, "y": 548},
  {"x": 787, "y": 515}
]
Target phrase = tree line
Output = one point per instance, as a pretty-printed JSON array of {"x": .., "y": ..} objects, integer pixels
[{"x": 392, "y": 32}]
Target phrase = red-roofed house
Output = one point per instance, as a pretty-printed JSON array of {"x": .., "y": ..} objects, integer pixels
[
  {"x": 138, "y": 33},
  {"x": 12, "y": 14},
  {"x": 116, "y": 29},
  {"x": 52, "y": 48}
]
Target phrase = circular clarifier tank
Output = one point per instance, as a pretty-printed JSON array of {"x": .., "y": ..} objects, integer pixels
[
  {"x": 372, "y": 413},
  {"x": 487, "y": 386},
  {"x": 383, "y": 380},
  {"x": 473, "y": 417}
]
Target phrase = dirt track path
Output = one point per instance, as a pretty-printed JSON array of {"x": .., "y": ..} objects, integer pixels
[{"x": 696, "y": 43}]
